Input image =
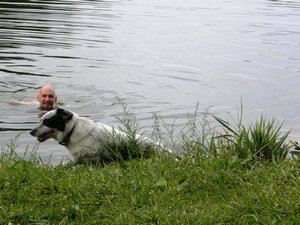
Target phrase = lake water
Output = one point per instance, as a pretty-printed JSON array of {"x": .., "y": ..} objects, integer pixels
[{"x": 162, "y": 57}]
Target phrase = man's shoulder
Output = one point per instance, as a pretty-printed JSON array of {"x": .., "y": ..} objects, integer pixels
[{"x": 28, "y": 102}]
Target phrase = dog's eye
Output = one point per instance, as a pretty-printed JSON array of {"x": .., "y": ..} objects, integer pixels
[{"x": 46, "y": 122}]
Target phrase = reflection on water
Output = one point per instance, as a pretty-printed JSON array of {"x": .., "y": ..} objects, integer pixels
[{"x": 162, "y": 57}]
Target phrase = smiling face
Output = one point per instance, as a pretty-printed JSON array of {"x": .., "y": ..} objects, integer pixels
[
  {"x": 52, "y": 122},
  {"x": 47, "y": 97}
]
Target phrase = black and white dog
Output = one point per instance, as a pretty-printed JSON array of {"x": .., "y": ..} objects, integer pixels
[{"x": 92, "y": 142}]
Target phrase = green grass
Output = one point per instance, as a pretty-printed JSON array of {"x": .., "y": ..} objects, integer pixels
[
  {"x": 227, "y": 175},
  {"x": 152, "y": 191}
]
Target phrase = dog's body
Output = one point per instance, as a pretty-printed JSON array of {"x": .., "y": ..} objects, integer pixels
[{"x": 89, "y": 141}]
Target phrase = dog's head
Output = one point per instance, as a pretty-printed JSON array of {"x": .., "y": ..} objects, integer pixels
[{"x": 51, "y": 123}]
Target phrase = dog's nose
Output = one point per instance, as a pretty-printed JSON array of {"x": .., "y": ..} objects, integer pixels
[{"x": 33, "y": 131}]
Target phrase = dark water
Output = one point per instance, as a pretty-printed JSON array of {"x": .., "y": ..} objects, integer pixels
[{"x": 159, "y": 56}]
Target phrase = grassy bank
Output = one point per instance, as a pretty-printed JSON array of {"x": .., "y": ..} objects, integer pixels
[
  {"x": 228, "y": 174},
  {"x": 152, "y": 191}
]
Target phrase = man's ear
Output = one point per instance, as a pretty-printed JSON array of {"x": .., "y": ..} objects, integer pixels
[{"x": 64, "y": 114}]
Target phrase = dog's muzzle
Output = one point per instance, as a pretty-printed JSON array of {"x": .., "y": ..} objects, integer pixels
[
  {"x": 42, "y": 136},
  {"x": 33, "y": 132}
]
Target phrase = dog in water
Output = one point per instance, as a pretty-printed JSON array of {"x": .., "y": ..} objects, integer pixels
[{"x": 93, "y": 142}]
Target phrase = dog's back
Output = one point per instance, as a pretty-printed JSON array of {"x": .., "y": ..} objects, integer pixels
[{"x": 89, "y": 138}]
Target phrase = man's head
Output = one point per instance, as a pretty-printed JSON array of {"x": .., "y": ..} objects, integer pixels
[{"x": 47, "y": 97}]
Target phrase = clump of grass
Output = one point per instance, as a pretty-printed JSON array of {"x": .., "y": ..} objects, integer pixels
[
  {"x": 133, "y": 144},
  {"x": 9, "y": 151},
  {"x": 262, "y": 140},
  {"x": 196, "y": 139}
]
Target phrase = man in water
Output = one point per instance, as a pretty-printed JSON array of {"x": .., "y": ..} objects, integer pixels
[{"x": 47, "y": 98}]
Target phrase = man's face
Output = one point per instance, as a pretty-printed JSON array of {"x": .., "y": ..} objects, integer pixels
[{"x": 47, "y": 98}]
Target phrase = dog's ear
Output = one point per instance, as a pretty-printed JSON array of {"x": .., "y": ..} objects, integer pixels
[{"x": 64, "y": 114}]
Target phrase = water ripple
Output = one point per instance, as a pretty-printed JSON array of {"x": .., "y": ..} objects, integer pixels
[{"x": 47, "y": 23}]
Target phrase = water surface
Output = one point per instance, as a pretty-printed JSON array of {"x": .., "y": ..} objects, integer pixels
[{"x": 161, "y": 57}]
